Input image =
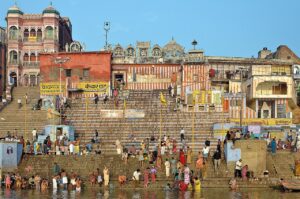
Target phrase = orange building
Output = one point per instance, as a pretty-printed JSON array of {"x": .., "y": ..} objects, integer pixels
[{"x": 75, "y": 73}]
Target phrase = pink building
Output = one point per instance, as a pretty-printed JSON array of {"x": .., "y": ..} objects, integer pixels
[
  {"x": 2, "y": 59},
  {"x": 29, "y": 35}
]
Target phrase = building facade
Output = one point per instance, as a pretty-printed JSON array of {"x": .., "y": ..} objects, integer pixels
[
  {"x": 262, "y": 87},
  {"x": 79, "y": 74},
  {"x": 28, "y": 36},
  {"x": 2, "y": 60}
]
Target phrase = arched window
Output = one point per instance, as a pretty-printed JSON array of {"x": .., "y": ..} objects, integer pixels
[
  {"x": 39, "y": 35},
  {"x": 32, "y": 57},
  {"x": 13, "y": 57},
  {"x": 26, "y": 57},
  {"x": 49, "y": 32},
  {"x": 32, "y": 33},
  {"x": 13, "y": 33},
  {"x": 26, "y": 34}
]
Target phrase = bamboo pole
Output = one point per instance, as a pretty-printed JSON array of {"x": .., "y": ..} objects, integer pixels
[
  {"x": 86, "y": 115},
  {"x": 160, "y": 129},
  {"x": 25, "y": 121}
]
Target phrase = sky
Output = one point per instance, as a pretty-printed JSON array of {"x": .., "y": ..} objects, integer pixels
[{"x": 236, "y": 28}]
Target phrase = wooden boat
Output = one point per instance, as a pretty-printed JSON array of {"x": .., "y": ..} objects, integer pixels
[{"x": 291, "y": 185}]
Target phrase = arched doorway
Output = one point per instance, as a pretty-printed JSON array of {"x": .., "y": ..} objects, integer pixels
[
  {"x": 32, "y": 79},
  {"x": 13, "y": 78},
  {"x": 38, "y": 80},
  {"x": 26, "y": 80}
]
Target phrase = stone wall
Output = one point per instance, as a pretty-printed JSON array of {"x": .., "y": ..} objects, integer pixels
[{"x": 254, "y": 153}]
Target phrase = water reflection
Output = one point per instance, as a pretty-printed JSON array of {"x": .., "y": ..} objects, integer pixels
[{"x": 149, "y": 194}]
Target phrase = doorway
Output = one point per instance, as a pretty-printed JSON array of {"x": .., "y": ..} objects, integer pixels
[
  {"x": 119, "y": 80},
  {"x": 13, "y": 79}
]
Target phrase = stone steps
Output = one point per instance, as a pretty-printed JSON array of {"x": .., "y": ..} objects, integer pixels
[{"x": 14, "y": 118}]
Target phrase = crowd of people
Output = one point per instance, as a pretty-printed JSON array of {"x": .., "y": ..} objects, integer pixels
[
  {"x": 164, "y": 155},
  {"x": 290, "y": 142},
  {"x": 60, "y": 180},
  {"x": 154, "y": 155}
]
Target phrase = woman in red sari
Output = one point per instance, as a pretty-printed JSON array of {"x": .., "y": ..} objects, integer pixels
[
  {"x": 174, "y": 150},
  {"x": 146, "y": 177},
  {"x": 182, "y": 157}
]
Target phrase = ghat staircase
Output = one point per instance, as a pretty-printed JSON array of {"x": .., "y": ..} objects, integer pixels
[
  {"x": 85, "y": 165},
  {"x": 17, "y": 121},
  {"x": 86, "y": 117}
]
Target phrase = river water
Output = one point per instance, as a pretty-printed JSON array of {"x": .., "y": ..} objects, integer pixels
[{"x": 151, "y": 194}]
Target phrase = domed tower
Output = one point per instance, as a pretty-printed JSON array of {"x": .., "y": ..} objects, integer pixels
[
  {"x": 14, "y": 38},
  {"x": 50, "y": 10},
  {"x": 173, "y": 52},
  {"x": 51, "y": 26},
  {"x": 14, "y": 10}
]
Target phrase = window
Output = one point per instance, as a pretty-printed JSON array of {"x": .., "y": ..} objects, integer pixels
[
  {"x": 26, "y": 34},
  {"x": 39, "y": 35},
  {"x": 68, "y": 72},
  {"x": 13, "y": 58},
  {"x": 281, "y": 70},
  {"x": 26, "y": 57},
  {"x": 195, "y": 78},
  {"x": 13, "y": 33},
  {"x": 86, "y": 72},
  {"x": 49, "y": 33},
  {"x": 133, "y": 76}
]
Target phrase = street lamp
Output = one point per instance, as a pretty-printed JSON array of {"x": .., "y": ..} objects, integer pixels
[
  {"x": 106, "y": 28},
  {"x": 60, "y": 61}
]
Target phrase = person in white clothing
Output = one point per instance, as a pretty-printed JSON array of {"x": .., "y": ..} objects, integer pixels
[
  {"x": 54, "y": 182},
  {"x": 168, "y": 166},
  {"x": 34, "y": 134},
  {"x": 238, "y": 169},
  {"x": 71, "y": 148},
  {"x": 205, "y": 153}
]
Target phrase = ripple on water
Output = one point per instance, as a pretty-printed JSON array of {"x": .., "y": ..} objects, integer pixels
[{"x": 149, "y": 194}]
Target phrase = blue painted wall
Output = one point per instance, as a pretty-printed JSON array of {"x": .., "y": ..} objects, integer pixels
[
  {"x": 232, "y": 154},
  {"x": 10, "y": 154}
]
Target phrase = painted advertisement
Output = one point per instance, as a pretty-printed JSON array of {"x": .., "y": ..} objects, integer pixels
[
  {"x": 52, "y": 88},
  {"x": 94, "y": 87},
  {"x": 265, "y": 122},
  {"x": 128, "y": 113}
]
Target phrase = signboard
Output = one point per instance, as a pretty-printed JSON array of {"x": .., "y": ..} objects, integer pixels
[
  {"x": 129, "y": 113},
  {"x": 134, "y": 114},
  {"x": 217, "y": 97},
  {"x": 266, "y": 122},
  {"x": 112, "y": 113},
  {"x": 255, "y": 129},
  {"x": 94, "y": 87},
  {"x": 52, "y": 88}
]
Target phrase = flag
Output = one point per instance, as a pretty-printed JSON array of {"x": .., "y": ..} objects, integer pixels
[{"x": 162, "y": 99}]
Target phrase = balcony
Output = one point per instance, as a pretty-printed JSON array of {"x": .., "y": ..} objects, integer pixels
[
  {"x": 13, "y": 62},
  {"x": 31, "y": 64},
  {"x": 32, "y": 39},
  {"x": 271, "y": 87}
]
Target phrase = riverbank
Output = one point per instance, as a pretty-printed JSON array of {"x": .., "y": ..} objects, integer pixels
[{"x": 209, "y": 193}]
